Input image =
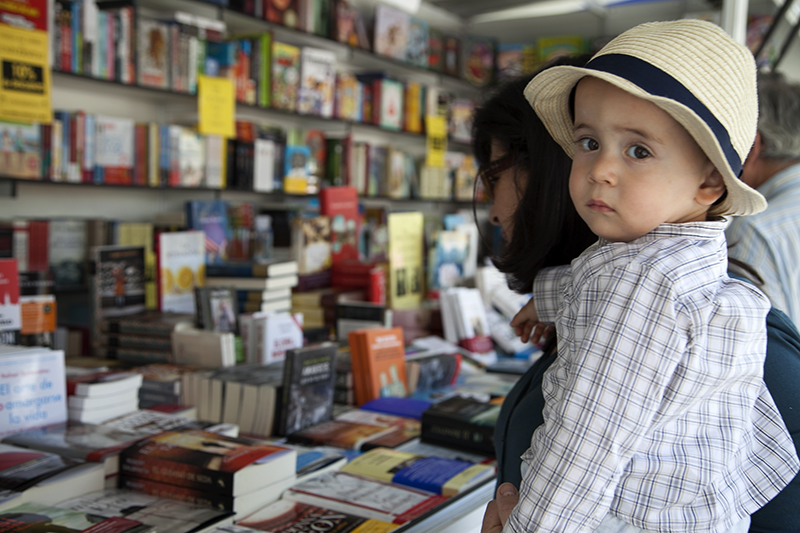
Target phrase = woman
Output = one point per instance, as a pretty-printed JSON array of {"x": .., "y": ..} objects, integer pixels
[{"x": 525, "y": 174}]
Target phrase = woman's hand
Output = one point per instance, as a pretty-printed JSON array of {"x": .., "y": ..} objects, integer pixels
[
  {"x": 527, "y": 326},
  {"x": 498, "y": 510}
]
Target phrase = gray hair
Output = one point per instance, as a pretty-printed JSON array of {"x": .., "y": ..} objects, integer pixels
[{"x": 779, "y": 117}]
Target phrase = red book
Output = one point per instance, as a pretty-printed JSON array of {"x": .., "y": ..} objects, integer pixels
[
  {"x": 140, "y": 154},
  {"x": 38, "y": 233},
  {"x": 10, "y": 316},
  {"x": 340, "y": 204}
]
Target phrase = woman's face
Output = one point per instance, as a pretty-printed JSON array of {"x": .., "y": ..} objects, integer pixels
[{"x": 508, "y": 187}]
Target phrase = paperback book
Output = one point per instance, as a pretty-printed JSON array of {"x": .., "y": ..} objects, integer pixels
[
  {"x": 285, "y": 76},
  {"x": 307, "y": 387},
  {"x": 30, "y": 517},
  {"x": 181, "y": 264},
  {"x": 391, "y": 32},
  {"x": 285, "y": 516},
  {"x": 317, "y": 83}
]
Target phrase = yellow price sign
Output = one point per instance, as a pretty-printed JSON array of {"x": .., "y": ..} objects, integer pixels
[
  {"x": 24, "y": 75},
  {"x": 216, "y": 104},
  {"x": 436, "y": 145}
]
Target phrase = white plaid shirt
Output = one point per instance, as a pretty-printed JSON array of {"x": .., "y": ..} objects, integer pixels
[
  {"x": 655, "y": 410},
  {"x": 770, "y": 241}
]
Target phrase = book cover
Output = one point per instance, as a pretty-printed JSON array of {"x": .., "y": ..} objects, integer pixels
[
  {"x": 262, "y": 269},
  {"x": 317, "y": 82},
  {"x": 391, "y": 104},
  {"x": 440, "y": 475},
  {"x": 298, "y": 173},
  {"x": 211, "y": 218},
  {"x": 311, "y": 244},
  {"x": 477, "y": 66},
  {"x": 452, "y": 55},
  {"x": 217, "y": 309},
  {"x": 10, "y": 310},
  {"x": 448, "y": 259},
  {"x": 208, "y": 461},
  {"x": 146, "y": 323},
  {"x": 307, "y": 387},
  {"x": 114, "y": 153},
  {"x": 191, "y": 158},
  {"x": 117, "y": 281},
  {"x": 102, "y": 383},
  {"x": 67, "y": 253},
  {"x": 417, "y": 48},
  {"x": 348, "y": 25},
  {"x": 37, "y": 517},
  {"x": 365, "y": 497},
  {"x": 22, "y": 150},
  {"x": 181, "y": 260},
  {"x": 550, "y": 48},
  {"x": 405, "y": 260},
  {"x": 461, "y": 422},
  {"x": 285, "y": 75},
  {"x": 152, "y": 55},
  {"x": 286, "y": 516},
  {"x": 22, "y": 468},
  {"x": 340, "y": 205},
  {"x": 391, "y": 32},
  {"x": 378, "y": 359},
  {"x": 511, "y": 59},
  {"x": 164, "y": 514},
  {"x": 285, "y": 12},
  {"x": 343, "y": 434},
  {"x": 435, "y": 50},
  {"x": 275, "y": 334}
]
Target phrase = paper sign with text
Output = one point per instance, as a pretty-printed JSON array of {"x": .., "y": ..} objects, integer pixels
[
  {"x": 32, "y": 389},
  {"x": 436, "y": 145},
  {"x": 216, "y": 106}
]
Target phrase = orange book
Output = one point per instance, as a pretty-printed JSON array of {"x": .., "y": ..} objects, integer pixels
[{"x": 378, "y": 360}]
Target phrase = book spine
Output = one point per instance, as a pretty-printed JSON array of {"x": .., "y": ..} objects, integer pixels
[
  {"x": 162, "y": 490},
  {"x": 196, "y": 477}
]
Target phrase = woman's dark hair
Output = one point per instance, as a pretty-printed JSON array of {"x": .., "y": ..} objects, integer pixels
[{"x": 547, "y": 229}]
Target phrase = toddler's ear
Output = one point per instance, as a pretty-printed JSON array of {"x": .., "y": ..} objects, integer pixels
[{"x": 712, "y": 188}]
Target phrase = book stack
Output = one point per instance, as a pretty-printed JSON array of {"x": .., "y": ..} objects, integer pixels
[
  {"x": 463, "y": 423},
  {"x": 161, "y": 384},
  {"x": 353, "y": 274},
  {"x": 260, "y": 286},
  {"x": 319, "y": 306},
  {"x": 267, "y": 336},
  {"x": 378, "y": 360},
  {"x": 344, "y": 384},
  {"x": 352, "y": 316},
  {"x": 142, "y": 338},
  {"x": 464, "y": 319},
  {"x": 203, "y": 468},
  {"x": 95, "y": 398}
]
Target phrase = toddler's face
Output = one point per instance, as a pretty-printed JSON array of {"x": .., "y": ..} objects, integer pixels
[{"x": 635, "y": 167}]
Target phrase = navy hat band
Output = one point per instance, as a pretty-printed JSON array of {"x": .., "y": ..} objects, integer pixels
[{"x": 656, "y": 82}]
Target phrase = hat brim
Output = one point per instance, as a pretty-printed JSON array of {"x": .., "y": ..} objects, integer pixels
[{"x": 549, "y": 92}]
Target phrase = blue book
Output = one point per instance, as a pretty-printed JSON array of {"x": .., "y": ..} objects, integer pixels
[
  {"x": 211, "y": 217},
  {"x": 408, "y": 407},
  {"x": 163, "y": 156}
]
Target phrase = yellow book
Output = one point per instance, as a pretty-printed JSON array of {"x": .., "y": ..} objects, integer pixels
[{"x": 405, "y": 260}]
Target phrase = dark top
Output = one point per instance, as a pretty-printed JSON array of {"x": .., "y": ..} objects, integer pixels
[{"x": 521, "y": 413}]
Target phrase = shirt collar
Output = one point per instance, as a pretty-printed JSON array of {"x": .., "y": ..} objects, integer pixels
[
  {"x": 780, "y": 181},
  {"x": 704, "y": 231}
]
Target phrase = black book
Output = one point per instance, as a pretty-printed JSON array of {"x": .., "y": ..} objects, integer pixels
[
  {"x": 461, "y": 422},
  {"x": 308, "y": 387}
]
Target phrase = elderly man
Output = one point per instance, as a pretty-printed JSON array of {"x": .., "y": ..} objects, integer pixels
[{"x": 769, "y": 242}]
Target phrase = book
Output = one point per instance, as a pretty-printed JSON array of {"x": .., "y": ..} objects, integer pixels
[
  {"x": 311, "y": 244},
  {"x": 390, "y": 104},
  {"x": 34, "y": 380},
  {"x": 67, "y": 252},
  {"x": 10, "y": 309},
  {"x": 317, "y": 82},
  {"x": 417, "y": 47},
  {"x": 432, "y": 371},
  {"x": 282, "y": 12},
  {"x": 217, "y": 309},
  {"x": 103, "y": 384},
  {"x": 113, "y": 150},
  {"x": 461, "y": 422},
  {"x": 273, "y": 334},
  {"x": 405, "y": 260},
  {"x": 210, "y": 217},
  {"x": 452, "y": 55},
  {"x": 265, "y": 269},
  {"x": 447, "y": 260},
  {"x": 285, "y": 76},
  {"x": 286, "y": 516},
  {"x": 181, "y": 265},
  {"x": 340, "y": 205},
  {"x": 205, "y": 349},
  {"x": 34, "y": 475},
  {"x": 146, "y": 323},
  {"x": 447, "y": 477},
  {"x": 404, "y": 407},
  {"x": 254, "y": 284},
  {"x": 298, "y": 174},
  {"x": 162, "y": 513},
  {"x": 41, "y": 517},
  {"x": 22, "y": 149},
  {"x": 378, "y": 359},
  {"x": 207, "y": 461},
  {"x": 365, "y": 497},
  {"x": 477, "y": 65},
  {"x": 391, "y": 32},
  {"x": 343, "y": 434},
  {"x": 153, "y": 39},
  {"x": 307, "y": 394}
]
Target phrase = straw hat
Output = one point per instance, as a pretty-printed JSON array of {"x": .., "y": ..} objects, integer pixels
[{"x": 689, "y": 68}]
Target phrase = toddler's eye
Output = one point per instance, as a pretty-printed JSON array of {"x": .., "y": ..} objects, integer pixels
[
  {"x": 638, "y": 152},
  {"x": 588, "y": 144}
]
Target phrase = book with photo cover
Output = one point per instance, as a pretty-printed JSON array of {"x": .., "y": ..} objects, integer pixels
[
  {"x": 349, "y": 26},
  {"x": 181, "y": 265},
  {"x": 211, "y": 218},
  {"x": 365, "y": 497},
  {"x": 391, "y": 32},
  {"x": 208, "y": 462},
  {"x": 307, "y": 387},
  {"x": 30, "y": 517},
  {"x": 217, "y": 309},
  {"x": 311, "y": 244},
  {"x": 447, "y": 477},
  {"x": 117, "y": 280},
  {"x": 153, "y": 39},
  {"x": 286, "y": 516},
  {"x": 167, "y": 515}
]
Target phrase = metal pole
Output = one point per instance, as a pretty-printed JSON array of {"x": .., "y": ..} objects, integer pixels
[{"x": 734, "y": 19}]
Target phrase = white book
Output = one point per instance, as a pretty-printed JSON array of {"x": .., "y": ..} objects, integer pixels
[
  {"x": 275, "y": 333},
  {"x": 214, "y": 176},
  {"x": 108, "y": 384},
  {"x": 254, "y": 284},
  {"x": 101, "y": 402},
  {"x": 317, "y": 82},
  {"x": 265, "y": 152},
  {"x": 98, "y": 416},
  {"x": 201, "y": 348}
]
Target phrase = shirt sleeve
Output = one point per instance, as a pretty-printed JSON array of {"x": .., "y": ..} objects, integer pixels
[
  {"x": 548, "y": 291},
  {"x": 603, "y": 396}
]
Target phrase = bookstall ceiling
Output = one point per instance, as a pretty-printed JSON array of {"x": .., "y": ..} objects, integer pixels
[{"x": 590, "y": 18}]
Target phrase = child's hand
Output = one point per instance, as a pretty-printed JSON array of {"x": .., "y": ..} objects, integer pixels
[{"x": 527, "y": 326}]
